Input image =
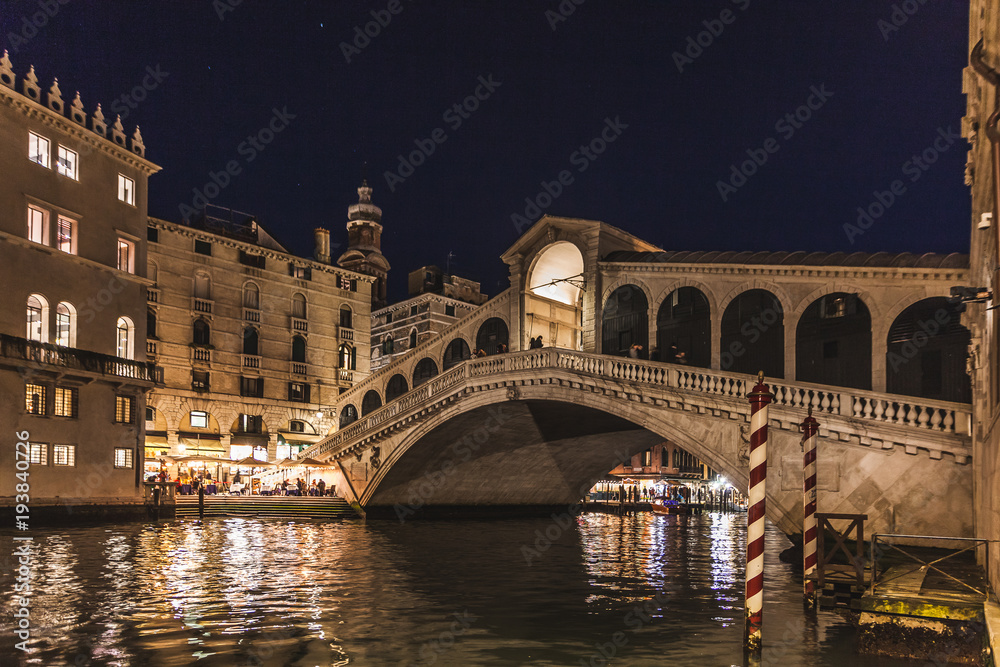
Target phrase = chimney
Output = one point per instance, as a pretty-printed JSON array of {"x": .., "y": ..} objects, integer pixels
[{"x": 322, "y": 251}]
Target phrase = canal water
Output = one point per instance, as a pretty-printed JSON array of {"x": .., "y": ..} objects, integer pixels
[{"x": 593, "y": 590}]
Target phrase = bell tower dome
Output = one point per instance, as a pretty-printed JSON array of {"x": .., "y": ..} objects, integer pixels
[{"x": 364, "y": 244}]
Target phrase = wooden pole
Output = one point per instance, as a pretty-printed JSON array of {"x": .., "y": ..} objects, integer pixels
[
  {"x": 810, "y": 429},
  {"x": 759, "y": 398}
]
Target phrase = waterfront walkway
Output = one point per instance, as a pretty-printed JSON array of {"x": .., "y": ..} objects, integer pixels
[{"x": 292, "y": 507}]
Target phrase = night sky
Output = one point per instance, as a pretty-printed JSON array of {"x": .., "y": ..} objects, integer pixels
[{"x": 554, "y": 83}]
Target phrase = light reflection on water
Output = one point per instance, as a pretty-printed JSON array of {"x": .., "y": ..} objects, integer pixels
[{"x": 269, "y": 592}]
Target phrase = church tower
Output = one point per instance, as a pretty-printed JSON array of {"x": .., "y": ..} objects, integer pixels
[{"x": 364, "y": 244}]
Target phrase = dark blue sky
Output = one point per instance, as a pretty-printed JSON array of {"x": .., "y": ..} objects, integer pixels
[{"x": 223, "y": 77}]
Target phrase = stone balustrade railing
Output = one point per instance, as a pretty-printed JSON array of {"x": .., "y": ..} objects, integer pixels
[{"x": 866, "y": 406}]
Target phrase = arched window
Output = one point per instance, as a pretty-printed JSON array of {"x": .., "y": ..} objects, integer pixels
[
  {"x": 126, "y": 337},
  {"x": 395, "y": 388},
  {"x": 345, "y": 317},
  {"x": 625, "y": 321},
  {"x": 38, "y": 318},
  {"x": 387, "y": 344},
  {"x": 424, "y": 371},
  {"x": 251, "y": 296},
  {"x": 926, "y": 352},
  {"x": 202, "y": 333},
  {"x": 152, "y": 271},
  {"x": 298, "y": 306},
  {"x": 413, "y": 339},
  {"x": 833, "y": 342},
  {"x": 150, "y": 323},
  {"x": 202, "y": 286},
  {"x": 684, "y": 327},
  {"x": 371, "y": 401},
  {"x": 251, "y": 342},
  {"x": 348, "y": 415},
  {"x": 299, "y": 349},
  {"x": 66, "y": 325},
  {"x": 456, "y": 352},
  {"x": 753, "y": 335},
  {"x": 492, "y": 334},
  {"x": 348, "y": 357}
]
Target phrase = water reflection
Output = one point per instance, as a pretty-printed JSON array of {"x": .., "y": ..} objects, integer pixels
[{"x": 266, "y": 592}]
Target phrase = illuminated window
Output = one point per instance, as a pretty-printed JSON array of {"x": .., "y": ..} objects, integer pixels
[
  {"x": 68, "y": 163},
  {"x": 348, "y": 357},
  {"x": 199, "y": 419},
  {"x": 38, "y": 453},
  {"x": 126, "y": 334},
  {"x": 64, "y": 455},
  {"x": 38, "y": 149},
  {"x": 34, "y": 398},
  {"x": 66, "y": 401},
  {"x": 66, "y": 235},
  {"x": 126, "y": 256},
  {"x": 123, "y": 457},
  {"x": 124, "y": 409},
  {"x": 126, "y": 189},
  {"x": 66, "y": 325},
  {"x": 38, "y": 223},
  {"x": 37, "y": 318}
]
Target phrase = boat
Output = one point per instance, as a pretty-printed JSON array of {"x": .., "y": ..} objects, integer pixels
[{"x": 662, "y": 505}]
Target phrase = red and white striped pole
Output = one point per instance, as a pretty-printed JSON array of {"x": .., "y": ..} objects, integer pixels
[
  {"x": 810, "y": 427},
  {"x": 760, "y": 397}
]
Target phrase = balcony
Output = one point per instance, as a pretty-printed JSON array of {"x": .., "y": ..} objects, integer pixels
[
  {"x": 299, "y": 324},
  {"x": 346, "y": 334},
  {"x": 22, "y": 349},
  {"x": 345, "y": 376},
  {"x": 299, "y": 368},
  {"x": 251, "y": 361},
  {"x": 201, "y": 355},
  {"x": 251, "y": 315},
  {"x": 152, "y": 295},
  {"x": 203, "y": 305},
  {"x": 150, "y": 348}
]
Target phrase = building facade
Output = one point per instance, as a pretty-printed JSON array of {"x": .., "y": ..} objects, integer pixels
[
  {"x": 980, "y": 126},
  {"x": 437, "y": 301},
  {"x": 255, "y": 342},
  {"x": 73, "y": 368}
]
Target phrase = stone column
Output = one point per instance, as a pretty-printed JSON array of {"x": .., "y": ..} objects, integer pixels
[
  {"x": 880, "y": 334},
  {"x": 174, "y": 441}
]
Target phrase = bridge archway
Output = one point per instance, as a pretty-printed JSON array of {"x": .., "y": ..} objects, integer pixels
[
  {"x": 833, "y": 342},
  {"x": 395, "y": 387},
  {"x": 371, "y": 402},
  {"x": 492, "y": 333},
  {"x": 926, "y": 352},
  {"x": 753, "y": 334},
  {"x": 456, "y": 352},
  {"x": 625, "y": 321},
  {"x": 554, "y": 296},
  {"x": 348, "y": 415},
  {"x": 424, "y": 371},
  {"x": 684, "y": 320}
]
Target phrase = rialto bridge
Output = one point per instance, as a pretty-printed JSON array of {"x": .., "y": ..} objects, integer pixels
[{"x": 868, "y": 341}]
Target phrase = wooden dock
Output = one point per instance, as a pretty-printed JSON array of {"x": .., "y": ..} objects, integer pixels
[{"x": 283, "y": 507}]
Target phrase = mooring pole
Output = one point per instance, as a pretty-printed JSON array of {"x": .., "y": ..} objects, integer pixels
[
  {"x": 201, "y": 501},
  {"x": 760, "y": 397},
  {"x": 810, "y": 428}
]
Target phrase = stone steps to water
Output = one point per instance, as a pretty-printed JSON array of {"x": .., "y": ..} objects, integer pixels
[{"x": 285, "y": 507}]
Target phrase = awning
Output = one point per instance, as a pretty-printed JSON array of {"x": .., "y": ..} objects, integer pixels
[
  {"x": 157, "y": 441},
  {"x": 254, "y": 439},
  {"x": 203, "y": 446},
  {"x": 293, "y": 438}
]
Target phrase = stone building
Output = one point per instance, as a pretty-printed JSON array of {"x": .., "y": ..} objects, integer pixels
[
  {"x": 437, "y": 300},
  {"x": 256, "y": 343},
  {"x": 73, "y": 369},
  {"x": 981, "y": 83},
  {"x": 364, "y": 245}
]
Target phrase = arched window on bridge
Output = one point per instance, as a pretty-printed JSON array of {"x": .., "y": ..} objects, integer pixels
[
  {"x": 625, "y": 321},
  {"x": 685, "y": 321},
  {"x": 395, "y": 388},
  {"x": 926, "y": 352},
  {"x": 833, "y": 342},
  {"x": 753, "y": 335},
  {"x": 456, "y": 352},
  {"x": 424, "y": 371},
  {"x": 348, "y": 415},
  {"x": 492, "y": 334},
  {"x": 554, "y": 298},
  {"x": 371, "y": 401}
]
